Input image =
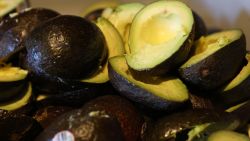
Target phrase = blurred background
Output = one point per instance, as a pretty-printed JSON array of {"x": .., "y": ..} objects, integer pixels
[{"x": 216, "y": 13}]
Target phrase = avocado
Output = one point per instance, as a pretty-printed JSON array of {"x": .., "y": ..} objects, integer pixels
[
  {"x": 167, "y": 94},
  {"x": 177, "y": 125},
  {"x": 200, "y": 26},
  {"x": 237, "y": 90},
  {"x": 227, "y": 135},
  {"x": 242, "y": 111},
  {"x": 46, "y": 115},
  {"x": 78, "y": 125},
  {"x": 94, "y": 11},
  {"x": 128, "y": 116},
  {"x": 218, "y": 58},
  {"x": 12, "y": 82},
  {"x": 15, "y": 29},
  {"x": 20, "y": 101},
  {"x": 7, "y": 7},
  {"x": 121, "y": 17},
  {"x": 19, "y": 128},
  {"x": 115, "y": 48},
  {"x": 200, "y": 102},
  {"x": 65, "y": 47},
  {"x": 161, "y": 36}
]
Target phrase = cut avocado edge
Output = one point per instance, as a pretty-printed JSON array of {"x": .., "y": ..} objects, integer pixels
[
  {"x": 170, "y": 88},
  {"x": 20, "y": 102},
  {"x": 8, "y": 5},
  {"x": 234, "y": 108},
  {"x": 10, "y": 74},
  {"x": 115, "y": 47},
  {"x": 157, "y": 32},
  {"x": 212, "y": 43},
  {"x": 227, "y": 135},
  {"x": 243, "y": 75}
]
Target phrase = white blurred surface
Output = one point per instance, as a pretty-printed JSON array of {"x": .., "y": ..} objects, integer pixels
[{"x": 216, "y": 13}]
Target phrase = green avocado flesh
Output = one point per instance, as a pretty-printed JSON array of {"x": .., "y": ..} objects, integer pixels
[
  {"x": 115, "y": 48},
  {"x": 210, "y": 44},
  {"x": 244, "y": 73},
  {"x": 157, "y": 32},
  {"x": 226, "y": 135},
  {"x": 169, "y": 89},
  {"x": 10, "y": 74},
  {"x": 7, "y": 6},
  {"x": 18, "y": 102}
]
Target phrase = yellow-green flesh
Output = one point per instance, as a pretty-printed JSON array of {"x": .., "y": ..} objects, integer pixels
[
  {"x": 210, "y": 44},
  {"x": 7, "y": 6},
  {"x": 10, "y": 74},
  {"x": 13, "y": 105},
  {"x": 170, "y": 88},
  {"x": 226, "y": 135},
  {"x": 157, "y": 32},
  {"x": 231, "y": 109},
  {"x": 115, "y": 48}
]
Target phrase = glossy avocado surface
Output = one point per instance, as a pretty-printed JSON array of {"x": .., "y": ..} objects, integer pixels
[
  {"x": 67, "y": 47},
  {"x": 128, "y": 116},
  {"x": 80, "y": 126},
  {"x": 15, "y": 29},
  {"x": 218, "y": 59}
]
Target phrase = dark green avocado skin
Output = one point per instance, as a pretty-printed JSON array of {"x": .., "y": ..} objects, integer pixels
[
  {"x": 10, "y": 90},
  {"x": 139, "y": 95},
  {"x": 13, "y": 31},
  {"x": 68, "y": 47},
  {"x": 236, "y": 95},
  {"x": 177, "y": 59},
  {"x": 218, "y": 68},
  {"x": 19, "y": 128},
  {"x": 82, "y": 126},
  {"x": 166, "y": 128},
  {"x": 200, "y": 26}
]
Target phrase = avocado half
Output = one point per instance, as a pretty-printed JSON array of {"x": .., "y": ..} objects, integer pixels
[
  {"x": 12, "y": 82},
  {"x": 115, "y": 47},
  {"x": 227, "y": 135},
  {"x": 217, "y": 60},
  {"x": 237, "y": 90},
  {"x": 8, "y": 6},
  {"x": 161, "y": 36},
  {"x": 166, "y": 94}
]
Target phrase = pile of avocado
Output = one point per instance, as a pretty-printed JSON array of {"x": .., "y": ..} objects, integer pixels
[{"x": 122, "y": 72}]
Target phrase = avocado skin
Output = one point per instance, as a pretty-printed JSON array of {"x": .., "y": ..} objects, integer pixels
[
  {"x": 139, "y": 95},
  {"x": 13, "y": 31},
  {"x": 68, "y": 47},
  {"x": 168, "y": 127},
  {"x": 99, "y": 127},
  {"x": 128, "y": 116},
  {"x": 19, "y": 128},
  {"x": 200, "y": 26},
  {"x": 236, "y": 95},
  {"x": 10, "y": 90},
  {"x": 177, "y": 59},
  {"x": 94, "y": 15},
  {"x": 215, "y": 71}
]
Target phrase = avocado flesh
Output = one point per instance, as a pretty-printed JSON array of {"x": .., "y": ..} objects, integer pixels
[
  {"x": 10, "y": 74},
  {"x": 115, "y": 48},
  {"x": 227, "y": 135},
  {"x": 17, "y": 103},
  {"x": 157, "y": 32},
  {"x": 7, "y": 6},
  {"x": 233, "y": 108},
  {"x": 170, "y": 89},
  {"x": 210, "y": 44}
]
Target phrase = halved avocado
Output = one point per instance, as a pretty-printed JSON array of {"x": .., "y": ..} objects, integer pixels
[
  {"x": 218, "y": 58},
  {"x": 227, "y": 135},
  {"x": 12, "y": 82},
  {"x": 238, "y": 89},
  {"x": 166, "y": 94},
  {"x": 161, "y": 36},
  {"x": 121, "y": 17},
  {"x": 94, "y": 11},
  {"x": 115, "y": 48},
  {"x": 7, "y": 6},
  {"x": 18, "y": 102}
]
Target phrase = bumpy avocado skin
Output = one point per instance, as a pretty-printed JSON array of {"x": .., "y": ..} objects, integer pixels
[
  {"x": 67, "y": 47},
  {"x": 128, "y": 116},
  {"x": 84, "y": 126},
  {"x": 14, "y": 30},
  {"x": 218, "y": 68},
  {"x": 138, "y": 94}
]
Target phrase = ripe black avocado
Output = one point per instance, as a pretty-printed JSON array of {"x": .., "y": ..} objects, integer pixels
[
  {"x": 78, "y": 125},
  {"x": 14, "y": 29},
  {"x": 67, "y": 47},
  {"x": 200, "y": 26},
  {"x": 217, "y": 60}
]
